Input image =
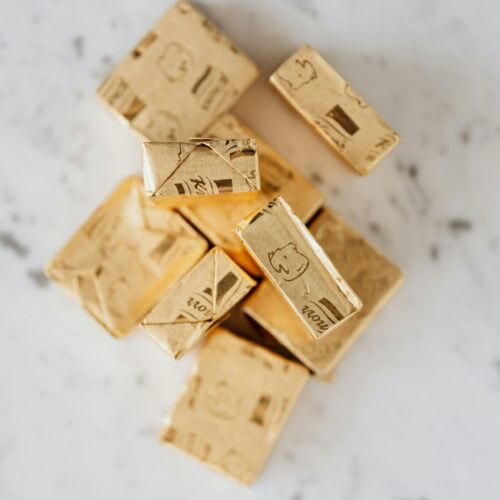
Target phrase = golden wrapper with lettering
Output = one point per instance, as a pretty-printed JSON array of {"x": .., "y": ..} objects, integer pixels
[
  {"x": 182, "y": 75},
  {"x": 176, "y": 172},
  {"x": 329, "y": 104},
  {"x": 372, "y": 275},
  {"x": 235, "y": 405},
  {"x": 125, "y": 256},
  {"x": 299, "y": 268},
  {"x": 197, "y": 303},
  {"x": 277, "y": 177}
]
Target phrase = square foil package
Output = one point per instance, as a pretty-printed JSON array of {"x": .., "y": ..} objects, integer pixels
[
  {"x": 185, "y": 172},
  {"x": 178, "y": 79},
  {"x": 299, "y": 268},
  {"x": 372, "y": 275},
  {"x": 328, "y": 103},
  {"x": 125, "y": 256},
  {"x": 197, "y": 303},
  {"x": 277, "y": 177},
  {"x": 235, "y": 405}
]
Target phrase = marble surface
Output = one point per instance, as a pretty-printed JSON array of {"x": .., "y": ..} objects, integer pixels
[{"x": 414, "y": 410}]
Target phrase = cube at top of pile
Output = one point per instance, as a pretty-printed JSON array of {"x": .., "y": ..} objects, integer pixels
[{"x": 182, "y": 75}]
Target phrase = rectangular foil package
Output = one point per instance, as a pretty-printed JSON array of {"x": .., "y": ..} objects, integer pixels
[
  {"x": 197, "y": 303},
  {"x": 328, "y": 103},
  {"x": 372, "y": 275},
  {"x": 277, "y": 177},
  {"x": 185, "y": 172},
  {"x": 299, "y": 268},
  {"x": 234, "y": 406},
  {"x": 125, "y": 256},
  {"x": 178, "y": 78}
]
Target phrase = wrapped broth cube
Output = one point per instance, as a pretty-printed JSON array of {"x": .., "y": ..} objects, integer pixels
[
  {"x": 372, "y": 275},
  {"x": 125, "y": 256},
  {"x": 197, "y": 303},
  {"x": 298, "y": 268},
  {"x": 178, "y": 79},
  {"x": 235, "y": 405},
  {"x": 186, "y": 172},
  {"x": 329, "y": 104}
]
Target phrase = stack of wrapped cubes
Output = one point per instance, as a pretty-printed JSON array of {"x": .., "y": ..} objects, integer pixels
[{"x": 221, "y": 223}]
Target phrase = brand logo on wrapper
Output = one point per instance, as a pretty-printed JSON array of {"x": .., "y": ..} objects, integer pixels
[
  {"x": 301, "y": 74},
  {"x": 211, "y": 88},
  {"x": 288, "y": 262},
  {"x": 175, "y": 62},
  {"x": 200, "y": 306},
  {"x": 224, "y": 400},
  {"x": 204, "y": 185},
  {"x": 338, "y": 114},
  {"x": 322, "y": 313}
]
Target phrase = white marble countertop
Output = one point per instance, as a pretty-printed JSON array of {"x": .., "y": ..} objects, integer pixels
[{"x": 414, "y": 410}]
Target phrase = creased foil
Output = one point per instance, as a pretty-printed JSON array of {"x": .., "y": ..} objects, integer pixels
[
  {"x": 277, "y": 177},
  {"x": 197, "y": 303},
  {"x": 125, "y": 256},
  {"x": 372, "y": 275},
  {"x": 188, "y": 171},
  {"x": 299, "y": 268}
]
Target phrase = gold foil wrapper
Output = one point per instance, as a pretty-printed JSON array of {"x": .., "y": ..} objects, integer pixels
[
  {"x": 197, "y": 303},
  {"x": 202, "y": 168},
  {"x": 178, "y": 78},
  {"x": 328, "y": 103},
  {"x": 299, "y": 268},
  {"x": 124, "y": 257},
  {"x": 235, "y": 405},
  {"x": 372, "y": 275},
  {"x": 277, "y": 177}
]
